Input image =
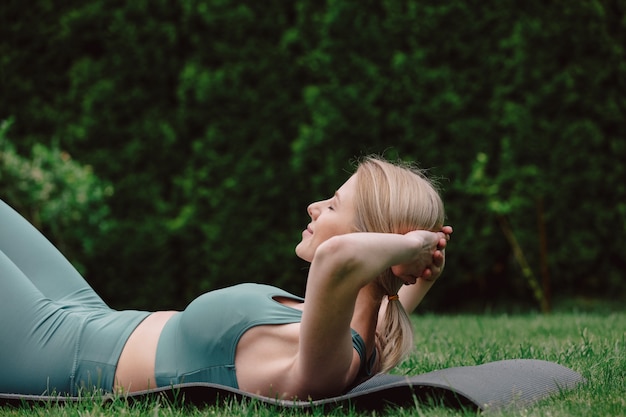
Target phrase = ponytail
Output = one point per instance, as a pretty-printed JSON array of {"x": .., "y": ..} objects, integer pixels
[{"x": 395, "y": 338}]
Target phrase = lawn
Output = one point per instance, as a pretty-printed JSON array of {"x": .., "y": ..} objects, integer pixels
[{"x": 591, "y": 343}]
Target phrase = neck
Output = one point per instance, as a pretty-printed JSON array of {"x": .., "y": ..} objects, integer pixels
[{"x": 365, "y": 316}]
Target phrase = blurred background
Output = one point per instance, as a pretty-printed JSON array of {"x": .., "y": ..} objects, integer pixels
[{"x": 171, "y": 147}]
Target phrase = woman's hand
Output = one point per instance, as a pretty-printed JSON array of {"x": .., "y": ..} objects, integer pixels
[{"x": 429, "y": 258}]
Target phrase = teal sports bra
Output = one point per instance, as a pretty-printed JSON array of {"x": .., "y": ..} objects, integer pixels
[{"x": 198, "y": 344}]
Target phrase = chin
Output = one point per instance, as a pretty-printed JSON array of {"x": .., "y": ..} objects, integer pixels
[{"x": 301, "y": 253}]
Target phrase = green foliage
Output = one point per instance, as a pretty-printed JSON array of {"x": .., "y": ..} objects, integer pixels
[
  {"x": 58, "y": 195},
  {"x": 217, "y": 122}
]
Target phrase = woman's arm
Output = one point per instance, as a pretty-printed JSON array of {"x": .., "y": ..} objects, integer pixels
[
  {"x": 340, "y": 268},
  {"x": 412, "y": 295}
]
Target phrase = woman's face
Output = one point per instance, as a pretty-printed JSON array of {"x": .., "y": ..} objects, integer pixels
[{"x": 329, "y": 218}]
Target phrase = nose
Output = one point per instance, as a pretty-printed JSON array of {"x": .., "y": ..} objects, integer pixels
[{"x": 313, "y": 209}]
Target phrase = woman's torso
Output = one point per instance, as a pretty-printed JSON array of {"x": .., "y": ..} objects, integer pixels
[{"x": 251, "y": 333}]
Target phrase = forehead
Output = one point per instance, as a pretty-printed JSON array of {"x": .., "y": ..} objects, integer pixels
[{"x": 347, "y": 189}]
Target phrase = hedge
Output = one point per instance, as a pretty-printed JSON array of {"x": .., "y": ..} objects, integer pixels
[{"x": 212, "y": 124}]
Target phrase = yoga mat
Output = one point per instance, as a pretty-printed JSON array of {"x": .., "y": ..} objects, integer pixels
[{"x": 494, "y": 385}]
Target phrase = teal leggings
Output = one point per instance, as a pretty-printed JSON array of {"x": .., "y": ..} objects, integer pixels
[{"x": 57, "y": 336}]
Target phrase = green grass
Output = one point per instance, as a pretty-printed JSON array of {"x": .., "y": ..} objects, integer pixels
[{"x": 592, "y": 344}]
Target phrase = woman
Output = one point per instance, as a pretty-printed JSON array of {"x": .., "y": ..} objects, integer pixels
[{"x": 383, "y": 228}]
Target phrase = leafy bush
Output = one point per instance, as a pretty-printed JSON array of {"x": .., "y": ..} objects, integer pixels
[
  {"x": 218, "y": 122},
  {"x": 59, "y": 196}
]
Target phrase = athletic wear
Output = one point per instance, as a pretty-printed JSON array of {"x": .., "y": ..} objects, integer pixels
[
  {"x": 198, "y": 345},
  {"x": 57, "y": 336}
]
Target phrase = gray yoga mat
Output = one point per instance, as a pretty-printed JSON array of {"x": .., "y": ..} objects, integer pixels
[{"x": 494, "y": 385}]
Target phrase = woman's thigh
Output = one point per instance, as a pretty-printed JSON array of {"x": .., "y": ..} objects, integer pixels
[
  {"x": 38, "y": 339},
  {"x": 42, "y": 263}
]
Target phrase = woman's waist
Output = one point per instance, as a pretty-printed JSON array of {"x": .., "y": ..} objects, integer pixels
[{"x": 136, "y": 365}]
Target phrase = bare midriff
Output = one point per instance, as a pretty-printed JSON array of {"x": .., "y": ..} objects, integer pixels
[{"x": 135, "y": 368}]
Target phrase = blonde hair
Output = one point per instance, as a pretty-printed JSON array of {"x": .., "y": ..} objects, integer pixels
[{"x": 395, "y": 198}]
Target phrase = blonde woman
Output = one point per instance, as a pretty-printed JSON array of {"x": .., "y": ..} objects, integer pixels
[{"x": 382, "y": 229}]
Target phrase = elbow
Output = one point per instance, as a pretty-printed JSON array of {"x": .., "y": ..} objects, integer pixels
[{"x": 337, "y": 257}]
